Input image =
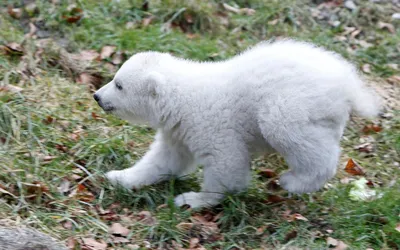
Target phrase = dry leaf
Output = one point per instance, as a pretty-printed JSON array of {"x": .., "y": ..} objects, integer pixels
[
  {"x": 95, "y": 116},
  {"x": 146, "y": 218},
  {"x": 67, "y": 225},
  {"x": 194, "y": 243},
  {"x": 395, "y": 79},
  {"x": 184, "y": 226},
  {"x": 340, "y": 246},
  {"x": 397, "y": 228},
  {"x": 75, "y": 14},
  {"x": 12, "y": 49},
  {"x": 92, "y": 244},
  {"x": 353, "y": 168},
  {"x": 146, "y": 21},
  {"x": 90, "y": 79},
  {"x": 118, "y": 58},
  {"x": 64, "y": 186},
  {"x": 88, "y": 55},
  {"x": 11, "y": 88},
  {"x": 268, "y": 173},
  {"x": 332, "y": 242},
  {"x": 119, "y": 240},
  {"x": 107, "y": 51},
  {"x": 387, "y": 26},
  {"x": 365, "y": 147},
  {"x": 81, "y": 193},
  {"x": 119, "y": 230},
  {"x": 372, "y": 128},
  {"x": 272, "y": 198},
  {"x": 14, "y": 12},
  {"x": 366, "y": 68}
]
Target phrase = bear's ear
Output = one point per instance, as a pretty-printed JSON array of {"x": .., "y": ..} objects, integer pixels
[{"x": 155, "y": 82}]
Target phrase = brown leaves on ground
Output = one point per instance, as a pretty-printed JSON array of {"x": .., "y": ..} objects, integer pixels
[
  {"x": 107, "y": 51},
  {"x": 118, "y": 230},
  {"x": 202, "y": 226},
  {"x": 82, "y": 193},
  {"x": 354, "y": 168},
  {"x": 92, "y": 244},
  {"x": 372, "y": 128},
  {"x": 146, "y": 218},
  {"x": 74, "y": 14},
  {"x": 12, "y": 48},
  {"x": 289, "y": 217}
]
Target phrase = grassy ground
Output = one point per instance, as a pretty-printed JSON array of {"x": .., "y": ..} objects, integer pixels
[{"x": 56, "y": 143}]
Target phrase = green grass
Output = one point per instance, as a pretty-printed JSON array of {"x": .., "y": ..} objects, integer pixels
[{"x": 52, "y": 131}]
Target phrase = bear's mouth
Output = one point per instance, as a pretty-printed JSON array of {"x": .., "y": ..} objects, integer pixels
[{"x": 106, "y": 107}]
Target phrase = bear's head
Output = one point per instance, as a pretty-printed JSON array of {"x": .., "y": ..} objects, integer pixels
[{"x": 133, "y": 93}]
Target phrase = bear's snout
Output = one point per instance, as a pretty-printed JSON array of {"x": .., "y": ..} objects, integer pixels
[{"x": 96, "y": 97}]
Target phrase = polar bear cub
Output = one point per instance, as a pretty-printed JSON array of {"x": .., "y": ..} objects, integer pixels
[{"x": 288, "y": 96}]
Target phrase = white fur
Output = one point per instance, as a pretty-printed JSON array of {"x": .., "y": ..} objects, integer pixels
[{"x": 288, "y": 96}]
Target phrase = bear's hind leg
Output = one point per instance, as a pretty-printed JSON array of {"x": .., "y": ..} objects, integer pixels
[{"x": 312, "y": 152}]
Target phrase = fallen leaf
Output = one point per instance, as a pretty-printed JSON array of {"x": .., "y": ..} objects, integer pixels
[
  {"x": 332, "y": 242},
  {"x": 119, "y": 240},
  {"x": 118, "y": 58},
  {"x": 365, "y": 147},
  {"x": 272, "y": 198},
  {"x": 49, "y": 119},
  {"x": 268, "y": 173},
  {"x": 119, "y": 230},
  {"x": 188, "y": 17},
  {"x": 67, "y": 225},
  {"x": 395, "y": 79},
  {"x": 95, "y": 116},
  {"x": 194, "y": 243},
  {"x": 372, "y": 128},
  {"x": 61, "y": 148},
  {"x": 14, "y": 12},
  {"x": 88, "y": 55},
  {"x": 107, "y": 51},
  {"x": 64, "y": 186},
  {"x": 353, "y": 168},
  {"x": 12, "y": 48},
  {"x": 81, "y": 193},
  {"x": 366, "y": 68},
  {"x": 93, "y": 244},
  {"x": 184, "y": 226},
  {"x": 191, "y": 35},
  {"x": 146, "y": 218},
  {"x": 11, "y": 88},
  {"x": 387, "y": 26},
  {"x": 261, "y": 230},
  {"x": 75, "y": 14},
  {"x": 341, "y": 246},
  {"x": 71, "y": 243},
  {"x": 146, "y": 21},
  {"x": 90, "y": 79}
]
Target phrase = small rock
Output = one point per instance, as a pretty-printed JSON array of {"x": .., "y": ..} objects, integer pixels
[{"x": 350, "y": 5}]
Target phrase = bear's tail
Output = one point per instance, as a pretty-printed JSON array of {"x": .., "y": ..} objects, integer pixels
[{"x": 364, "y": 101}]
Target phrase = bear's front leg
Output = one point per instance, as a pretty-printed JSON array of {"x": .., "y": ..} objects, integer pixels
[
  {"x": 225, "y": 170},
  {"x": 163, "y": 161}
]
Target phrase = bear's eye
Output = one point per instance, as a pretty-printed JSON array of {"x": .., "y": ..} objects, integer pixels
[{"x": 118, "y": 85}]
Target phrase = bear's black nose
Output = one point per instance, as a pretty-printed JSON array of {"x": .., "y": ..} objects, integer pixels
[{"x": 96, "y": 97}]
